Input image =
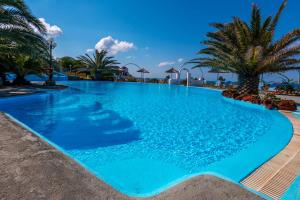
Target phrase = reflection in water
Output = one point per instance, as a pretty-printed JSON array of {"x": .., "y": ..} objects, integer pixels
[
  {"x": 91, "y": 127},
  {"x": 67, "y": 123}
]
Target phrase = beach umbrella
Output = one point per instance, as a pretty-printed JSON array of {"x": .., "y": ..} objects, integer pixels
[
  {"x": 172, "y": 71},
  {"x": 143, "y": 71}
]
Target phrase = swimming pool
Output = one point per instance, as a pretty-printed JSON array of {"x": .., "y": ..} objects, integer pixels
[{"x": 143, "y": 138}]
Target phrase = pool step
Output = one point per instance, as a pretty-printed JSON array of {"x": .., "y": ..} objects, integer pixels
[{"x": 275, "y": 176}]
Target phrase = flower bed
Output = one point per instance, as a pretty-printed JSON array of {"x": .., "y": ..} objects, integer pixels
[
  {"x": 287, "y": 105},
  {"x": 269, "y": 100}
]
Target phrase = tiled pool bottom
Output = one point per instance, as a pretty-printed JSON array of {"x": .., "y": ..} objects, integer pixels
[{"x": 142, "y": 139}]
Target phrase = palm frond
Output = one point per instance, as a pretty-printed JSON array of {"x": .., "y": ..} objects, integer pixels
[
  {"x": 277, "y": 17},
  {"x": 99, "y": 61}
]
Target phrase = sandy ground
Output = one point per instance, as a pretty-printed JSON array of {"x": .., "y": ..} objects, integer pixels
[{"x": 33, "y": 169}]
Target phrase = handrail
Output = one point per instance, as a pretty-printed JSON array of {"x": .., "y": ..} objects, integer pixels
[{"x": 182, "y": 68}]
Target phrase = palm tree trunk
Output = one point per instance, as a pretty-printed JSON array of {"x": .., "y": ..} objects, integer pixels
[
  {"x": 248, "y": 84},
  {"x": 3, "y": 77},
  {"x": 98, "y": 75},
  {"x": 20, "y": 80}
]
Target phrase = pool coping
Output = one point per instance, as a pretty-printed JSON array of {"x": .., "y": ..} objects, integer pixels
[{"x": 275, "y": 176}]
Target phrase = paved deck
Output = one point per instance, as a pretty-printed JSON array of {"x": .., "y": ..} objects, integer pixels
[
  {"x": 294, "y": 98},
  {"x": 275, "y": 176},
  {"x": 9, "y": 91},
  {"x": 33, "y": 169}
]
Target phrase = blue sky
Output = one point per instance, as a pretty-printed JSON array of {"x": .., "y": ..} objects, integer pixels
[{"x": 153, "y": 32}]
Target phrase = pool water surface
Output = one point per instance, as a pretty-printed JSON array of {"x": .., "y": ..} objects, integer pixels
[{"x": 143, "y": 138}]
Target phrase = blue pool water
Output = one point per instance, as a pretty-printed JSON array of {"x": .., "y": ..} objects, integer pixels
[
  {"x": 144, "y": 138},
  {"x": 293, "y": 192}
]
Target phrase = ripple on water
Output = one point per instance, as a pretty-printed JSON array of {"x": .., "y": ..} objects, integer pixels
[{"x": 157, "y": 127}]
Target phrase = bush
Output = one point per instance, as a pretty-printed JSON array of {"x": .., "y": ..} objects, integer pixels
[
  {"x": 270, "y": 101},
  {"x": 153, "y": 80},
  {"x": 252, "y": 98},
  {"x": 285, "y": 88},
  {"x": 183, "y": 82},
  {"x": 230, "y": 93},
  {"x": 131, "y": 79},
  {"x": 289, "y": 105}
]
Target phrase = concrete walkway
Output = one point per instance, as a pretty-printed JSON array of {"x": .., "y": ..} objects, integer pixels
[
  {"x": 9, "y": 91},
  {"x": 32, "y": 169},
  {"x": 294, "y": 98}
]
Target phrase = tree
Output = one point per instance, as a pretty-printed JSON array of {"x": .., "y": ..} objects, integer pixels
[
  {"x": 18, "y": 27},
  {"x": 26, "y": 65},
  {"x": 22, "y": 65},
  {"x": 250, "y": 50},
  {"x": 69, "y": 63},
  {"x": 99, "y": 63},
  {"x": 21, "y": 34}
]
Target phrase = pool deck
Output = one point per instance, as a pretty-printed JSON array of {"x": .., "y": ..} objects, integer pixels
[
  {"x": 9, "y": 91},
  {"x": 275, "y": 176},
  {"x": 294, "y": 98},
  {"x": 33, "y": 169}
]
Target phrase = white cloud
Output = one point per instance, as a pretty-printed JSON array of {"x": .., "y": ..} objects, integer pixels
[
  {"x": 52, "y": 30},
  {"x": 180, "y": 60},
  {"x": 130, "y": 57},
  {"x": 90, "y": 50},
  {"x": 113, "y": 46},
  {"x": 166, "y": 63}
]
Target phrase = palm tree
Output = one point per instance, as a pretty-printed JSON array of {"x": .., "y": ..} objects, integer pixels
[
  {"x": 18, "y": 27},
  {"x": 99, "y": 63},
  {"x": 20, "y": 33},
  {"x": 250, "y": 50}
]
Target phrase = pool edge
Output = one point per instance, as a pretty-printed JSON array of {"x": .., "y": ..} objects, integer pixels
[{"x": 262, "y": 178}]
